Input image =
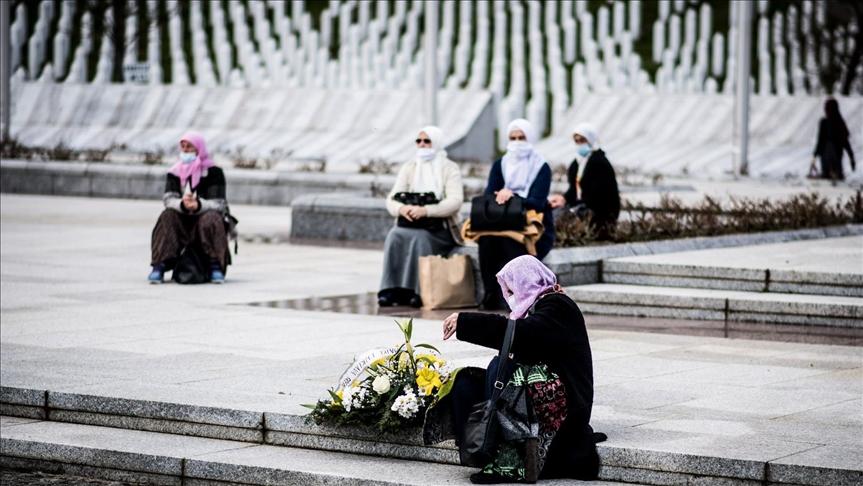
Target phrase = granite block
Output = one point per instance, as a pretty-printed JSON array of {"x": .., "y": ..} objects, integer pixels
[
  {"x": 839, "y": 307},
  {"x": 599, "y": 294},
  {"x": 816, "y": 289},
  {"x": 834, "y": 465},
  {"x": 300, "y": 424},
  {"x": 369, "y": 447},
  {"x": 87, "y": 456},
  {"x": 158, "y": 425},
  {"x": 153, "y": 409},
  {"x": 688, "y": 282},
  {"x": 8, "y": 421},
  {"x": 23, "y": 411},
  {"x": 70, "y": 184},
  {"x": 649, "y": 311},
  {"x": 628, "y": 266},
  {"x": 663, "y": 478},
  {"x": 823, "y": 278},
  {"x": 78, "y": 470},
  {"x": 23, "y": 396}
]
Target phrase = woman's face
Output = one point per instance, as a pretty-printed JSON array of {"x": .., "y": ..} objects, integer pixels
[
  {"x": 578, "y": 139},
  {"x": 423, "y": 140},
  {"x": 517, "y": 136},
  {"x": 187, "y": 147}
]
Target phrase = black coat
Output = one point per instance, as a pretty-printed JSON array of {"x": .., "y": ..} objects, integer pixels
[
  {"x": 211, "y": 186},
  {"x": 831, "y": 145},
  {"x": 554, "y": 334},
  {"x": 599, "y": 190}
]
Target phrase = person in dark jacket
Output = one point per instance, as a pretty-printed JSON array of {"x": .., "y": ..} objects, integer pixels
[
  {"x": 592, "y": 183},
  {"x": 193, "y": 218},
  {"x": 522, "y": 172},
  {"x": 550, "y": 330},
  {"x": 832, "y": 143}
]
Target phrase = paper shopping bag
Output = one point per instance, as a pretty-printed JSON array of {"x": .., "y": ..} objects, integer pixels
[{"x": 446, "y": 282}]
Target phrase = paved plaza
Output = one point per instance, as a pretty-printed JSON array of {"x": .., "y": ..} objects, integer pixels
[{"x": 79, "y": 319}]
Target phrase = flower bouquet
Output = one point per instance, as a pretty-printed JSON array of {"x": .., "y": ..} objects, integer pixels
[{"x": 389, "y": 388}]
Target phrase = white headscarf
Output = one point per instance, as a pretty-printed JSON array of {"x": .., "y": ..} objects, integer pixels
[
  {"x": 588, "y": 131},
  {"x": 519, "y": 172},
  {"x": 427, "y": 173}
]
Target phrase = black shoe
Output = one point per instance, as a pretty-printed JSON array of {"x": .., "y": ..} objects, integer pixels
[
  {"x": 386, "y": 299},
  {"x": 416, "y": 301}
]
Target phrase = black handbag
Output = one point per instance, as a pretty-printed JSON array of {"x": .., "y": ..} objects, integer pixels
[
  {"x": 487, "y": 215},
  {"x": 418, "y": 199},
  {"x": 192, "y": 266},
  {"x": 506, "y": 416}
]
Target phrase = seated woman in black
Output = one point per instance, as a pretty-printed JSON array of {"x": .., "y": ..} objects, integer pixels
[
  {"x": 193, "y": 217},
  {"x": 549, "y": 330},
  {"x": 592, "y": 183},
  {"x": 521, "y": 172}
]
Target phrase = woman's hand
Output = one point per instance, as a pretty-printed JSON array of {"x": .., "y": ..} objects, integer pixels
[
  {"x": 556, "y": 201},
  {"x": 418, "y": 212},
  {"x": 405, "y": 212},
  {"x": 449, "y": 325},
  {"x": 503, "y": 195},
  {"x": 190, "y": 202}
]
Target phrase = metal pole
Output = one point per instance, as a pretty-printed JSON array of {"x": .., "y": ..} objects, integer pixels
[
  {"x": 741, "y": 109},
  {"x": 431, "y": 82},
  {"x": 5, "y": 70}
]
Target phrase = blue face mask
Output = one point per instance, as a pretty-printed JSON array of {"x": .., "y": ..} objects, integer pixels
[
  {"x": 583, "y": 149},
  {"x": 188, "y": 157}
]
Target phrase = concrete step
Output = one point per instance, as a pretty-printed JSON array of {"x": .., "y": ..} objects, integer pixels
[
  {"x": 156, "y": 458},
  {"x": 79, "y": 423},
  {"x": 711, "y": 304},
  {"x": 718, "y": 277}
]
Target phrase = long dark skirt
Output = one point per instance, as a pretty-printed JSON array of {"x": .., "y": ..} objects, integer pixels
[
  {"x": 402, "y": 250},
  {"x": 494, "y": 253},
  {"x": 175, "y": 231}
]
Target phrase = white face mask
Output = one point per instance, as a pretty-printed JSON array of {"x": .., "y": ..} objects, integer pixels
[
  {"x": 425, "y": 153},
  {"x": 188, "y": 157},
  {"x": 519, "y": 148}
]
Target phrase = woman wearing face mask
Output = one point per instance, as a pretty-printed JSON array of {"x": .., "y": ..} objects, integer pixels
[
  {"x": 193, "y": 216},
  {"x": 592, "y": 183},
  {"x": 429, "y": 229},
  {"x": 522, "y": 173},
  {"x": 549, "y": 330}
]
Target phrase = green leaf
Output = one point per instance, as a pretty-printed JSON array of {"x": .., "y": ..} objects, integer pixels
[
  {"x": 427, "y": 346},
  {"x": 309, "y": 405},
  {"x": 334, "y": 396},
  {"x": 447, "y": 385},
  {"x": 410, "y": 327}
]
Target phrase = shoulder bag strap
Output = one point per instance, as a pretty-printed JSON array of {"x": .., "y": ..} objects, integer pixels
[{"x": 502, "y": 359}]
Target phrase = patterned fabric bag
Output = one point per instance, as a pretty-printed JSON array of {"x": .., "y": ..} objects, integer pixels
[{"x": 522, "y": 461}]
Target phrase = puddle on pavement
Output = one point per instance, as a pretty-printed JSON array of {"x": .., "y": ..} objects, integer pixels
[{"x": 367, "y": 304}]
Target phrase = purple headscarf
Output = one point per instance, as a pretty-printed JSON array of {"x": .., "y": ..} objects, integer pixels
[
  {"x": 192, "y": 172},
  {"x": 523, "y": 280}
]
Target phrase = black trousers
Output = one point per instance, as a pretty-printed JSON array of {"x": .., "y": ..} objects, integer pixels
[{"x": 494, "y": 253}]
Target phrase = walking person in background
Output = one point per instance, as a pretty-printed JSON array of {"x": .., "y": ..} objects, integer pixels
[
  {"x": 592, "y": 183},
  {"x": 425, "y": 199},
  {"x": 193, "y": 221},
  {"x": 522, "y": 172},
  {"x": 832, "y": 141}
]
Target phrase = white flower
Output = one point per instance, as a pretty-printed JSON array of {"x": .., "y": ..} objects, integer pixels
[
  {"x": 406, "y": 405},
  {"x": 381, "y": 384}
]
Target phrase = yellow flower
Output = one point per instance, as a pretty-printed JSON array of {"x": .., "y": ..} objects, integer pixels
[
  {"x": 380, "y": 361},
  {"x": 428, "y": 379},
  {"x": 431, "y": 357},
  {"x": 404, "y": 358}
]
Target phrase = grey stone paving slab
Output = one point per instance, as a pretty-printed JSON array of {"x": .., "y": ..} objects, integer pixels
[
  {"x": 60, "y": 332},
  {"x": 23, "y": 396}
]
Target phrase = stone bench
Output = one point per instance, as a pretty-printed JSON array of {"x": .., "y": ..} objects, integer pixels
[{"x": 354, "y": 217}]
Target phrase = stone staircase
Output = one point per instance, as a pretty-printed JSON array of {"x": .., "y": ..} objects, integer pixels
[
  {"x": 182, "y": 443},
  {"x": 630, "y": 287}
]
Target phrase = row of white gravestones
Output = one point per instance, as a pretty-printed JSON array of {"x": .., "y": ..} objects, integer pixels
[{"x": 277, "y": 58}]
